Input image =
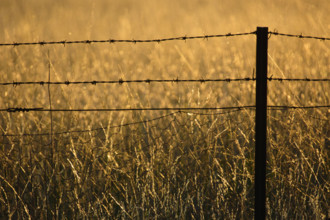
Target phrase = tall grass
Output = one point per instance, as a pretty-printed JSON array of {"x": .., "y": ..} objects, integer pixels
[{"x": 185, "y": 165}]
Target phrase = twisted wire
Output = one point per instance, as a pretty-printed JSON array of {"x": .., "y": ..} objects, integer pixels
[
  {"x": 121, "y": 81},
  {"x": 182, "y": 38},
  {"x": 148, "y": 81},
  {"x": 299, "y": 36},
  {"x": 300, "y": 79},
  {"x": 20, "y": 109},
  {"x": 270, "y": 107},
  {"x": 159, "y": 40}
]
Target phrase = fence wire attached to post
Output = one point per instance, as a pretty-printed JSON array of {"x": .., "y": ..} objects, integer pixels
[{"x": 261, "y": 123}]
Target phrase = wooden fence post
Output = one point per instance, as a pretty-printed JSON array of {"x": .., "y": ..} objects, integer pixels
[{"x": 261, "y": 123}]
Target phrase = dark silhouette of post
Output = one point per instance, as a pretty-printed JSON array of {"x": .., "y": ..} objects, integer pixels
[{"x": 261, "y": 123}]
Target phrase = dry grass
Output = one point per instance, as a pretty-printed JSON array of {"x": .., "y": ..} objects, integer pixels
[{"x": 183, "y": 166}]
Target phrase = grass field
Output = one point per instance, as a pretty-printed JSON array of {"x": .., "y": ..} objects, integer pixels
[{"x": 182, "y": 165}]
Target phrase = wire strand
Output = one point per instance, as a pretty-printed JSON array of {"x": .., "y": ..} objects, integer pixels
[
  {"x": 122, "y": 125},
  {"x": 148, "y": 81},
  {"x": 158, "y": 118},
  {"x": 271, "y": 107},
  {"x": 19, "y": 109},
  {"x": 182, "y": 38},
  {"x": 298, "y": 36},
  {"x": 121, "y": 81},
  {"x": 299, "y": 79}
]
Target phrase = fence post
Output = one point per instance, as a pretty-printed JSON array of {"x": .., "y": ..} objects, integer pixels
[{"x": 261, "y": 123}]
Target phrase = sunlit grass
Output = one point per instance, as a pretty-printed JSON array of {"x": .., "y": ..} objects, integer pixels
[{"x": 183, "y": 165}]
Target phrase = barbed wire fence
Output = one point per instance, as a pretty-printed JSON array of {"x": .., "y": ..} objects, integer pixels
[
  {"x": 175, "y": 111},
  {"x": 149, "y": 81},
  {"x": 182, "y": 38}
]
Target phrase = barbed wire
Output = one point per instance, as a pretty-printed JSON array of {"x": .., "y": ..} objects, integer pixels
[
  {"x": 121, "y": 125},
  {"x": 159, "y": 40},
  {"x": 148, "y": 81},
  {"x": 121, "y": 81},
  {"x": 298, "y": 36},
  {"x": 271, "y": 107},
  {"x": 284, "y": 107},
  {"x": 299, "y": 79},
  {"x": 189, "y": 113},
  {"x": 90, "y": 130},
  {"x": 36, "y": 109}
]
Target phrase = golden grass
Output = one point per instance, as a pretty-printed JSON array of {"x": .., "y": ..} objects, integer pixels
[{"x": 184, "y": 165}]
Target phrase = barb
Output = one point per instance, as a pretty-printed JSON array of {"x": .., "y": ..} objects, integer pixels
[
  {"x": 299, "y": 79},
  {"x": 119, "y": 126},
  {"x": 121, "y": 81},
  {"x": 183, "y": 38},
  {"x": 21, "y": 109},
  {"x": 299, "y": 36},
  {"x": 123, "y": 109}
]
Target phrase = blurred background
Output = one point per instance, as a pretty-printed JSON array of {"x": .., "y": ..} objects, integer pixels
[
  {"x": 233, "y": 57},
  {"x": 101, "y": 19}
]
